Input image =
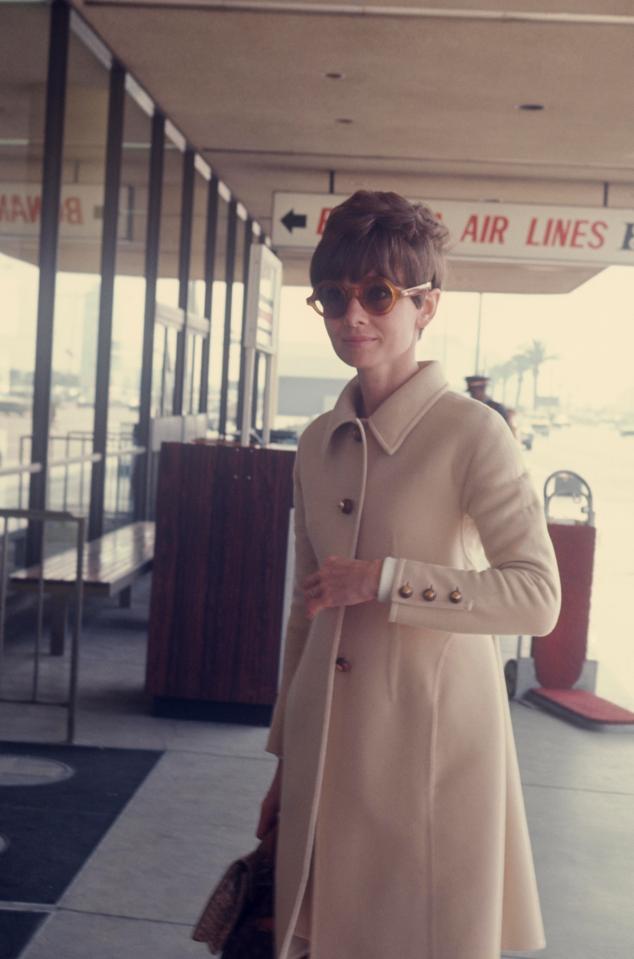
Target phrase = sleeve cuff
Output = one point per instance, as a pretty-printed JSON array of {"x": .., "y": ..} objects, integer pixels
[{"x": 388, "y": 572}]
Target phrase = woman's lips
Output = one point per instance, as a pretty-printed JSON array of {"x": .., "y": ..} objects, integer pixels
[{"x": 355, "y": 340}]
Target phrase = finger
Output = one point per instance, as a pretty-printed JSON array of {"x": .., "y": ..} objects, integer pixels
[{"x": 312, "y": 580}]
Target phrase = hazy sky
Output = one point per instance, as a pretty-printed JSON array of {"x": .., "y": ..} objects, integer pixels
[{"x": 591, "y": 330}]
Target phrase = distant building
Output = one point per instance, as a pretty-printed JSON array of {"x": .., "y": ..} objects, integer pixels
[{"x": 307, "y": 396}]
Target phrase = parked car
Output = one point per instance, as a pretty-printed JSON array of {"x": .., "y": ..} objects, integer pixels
[
  {"x": 540, "y": 425},
  {"x": 523, "y": 432}
]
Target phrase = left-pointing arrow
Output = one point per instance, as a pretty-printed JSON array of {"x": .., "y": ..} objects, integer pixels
[{"x": 292, "y": 220}]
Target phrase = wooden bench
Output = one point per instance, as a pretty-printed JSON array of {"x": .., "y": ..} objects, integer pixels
[{"x": 111, "y": 565}]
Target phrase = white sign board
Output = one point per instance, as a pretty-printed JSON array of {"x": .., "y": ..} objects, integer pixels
[
  {"x": 263, "y": 299},
  {"x": 80, "y": 212},
  {"x": 511, "y": 232}
]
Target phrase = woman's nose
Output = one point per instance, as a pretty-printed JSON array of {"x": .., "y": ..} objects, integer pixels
[{"x": 355, "y": 313}]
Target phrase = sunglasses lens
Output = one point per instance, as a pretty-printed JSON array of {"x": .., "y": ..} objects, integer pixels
[
  {"x": 332, "y": 300},
  {"x": 377, "y": 297}
]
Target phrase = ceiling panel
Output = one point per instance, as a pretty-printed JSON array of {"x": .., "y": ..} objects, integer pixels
[{"x": 433, "y": 100}]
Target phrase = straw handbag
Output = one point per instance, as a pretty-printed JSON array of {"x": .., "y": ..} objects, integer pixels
[{"x": 238, "y": 917}]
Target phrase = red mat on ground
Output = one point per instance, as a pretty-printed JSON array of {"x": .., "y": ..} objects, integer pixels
[
  {"x": 582, "y": 703},
  {"x": 559, "y": 656}
]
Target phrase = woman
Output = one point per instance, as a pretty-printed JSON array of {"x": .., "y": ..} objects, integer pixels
[{"x": 402, "y": 830}]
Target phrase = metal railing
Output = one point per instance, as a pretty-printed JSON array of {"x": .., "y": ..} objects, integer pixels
[
  {"x": 75, "y": 589},
  {"x": 74, "y": 493}
]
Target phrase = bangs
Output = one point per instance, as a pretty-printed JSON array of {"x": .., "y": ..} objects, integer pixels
[{"x": 351, "y": 257}]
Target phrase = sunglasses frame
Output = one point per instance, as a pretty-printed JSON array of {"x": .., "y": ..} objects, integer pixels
[{"x": 353, "y": 289}]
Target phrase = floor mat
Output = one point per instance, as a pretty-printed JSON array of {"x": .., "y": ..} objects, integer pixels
[
  {"x": 56, "y": 803},
  {"x": 16, "y": 928}
]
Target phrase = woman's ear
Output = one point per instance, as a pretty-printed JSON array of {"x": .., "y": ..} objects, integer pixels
[{"x": 427, "y": 309}]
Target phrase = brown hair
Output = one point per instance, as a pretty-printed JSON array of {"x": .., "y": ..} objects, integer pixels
[{"x": 383, "y": 233}]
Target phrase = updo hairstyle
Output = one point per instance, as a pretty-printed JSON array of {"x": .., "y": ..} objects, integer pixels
[{"x": 385, "y": 234}]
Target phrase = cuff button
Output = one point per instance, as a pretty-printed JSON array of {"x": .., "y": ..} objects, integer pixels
[
  {"x": 455, "y": 596},
  {"x": 429, "y": 594},
  {"x": 406, "y": 590}
]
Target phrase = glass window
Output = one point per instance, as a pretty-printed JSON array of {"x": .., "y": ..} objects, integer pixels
[
  {"x": 235, "y": 345},
  {"x": 167, "y": 286},
  {"x": 22, "y": 107},
  {"x": 78, "y": 279},
  {"x": 158, "y": 370},
  {"x": 128, "y": 319},
  {"x": 196, "y": 292},
  {"x": 219, "y": 294}
]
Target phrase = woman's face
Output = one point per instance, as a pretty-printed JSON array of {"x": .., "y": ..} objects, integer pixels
[{"x": 366, "y": 341}]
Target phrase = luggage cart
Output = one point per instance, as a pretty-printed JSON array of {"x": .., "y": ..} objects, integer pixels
[{"x": 558, "y": 677}]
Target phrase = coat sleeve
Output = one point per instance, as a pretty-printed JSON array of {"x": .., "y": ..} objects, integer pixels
[
  {"x": 298, "y": 625},
  {"x": 520, "y": 591}
]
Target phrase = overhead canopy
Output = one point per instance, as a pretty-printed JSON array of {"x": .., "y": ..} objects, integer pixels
[{"x": 307, "y": 96}]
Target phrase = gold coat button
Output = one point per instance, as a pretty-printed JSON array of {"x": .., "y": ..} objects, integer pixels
[
  {"x": 346, "y": 505},
  {"x": 406, "y": 590},
  {"x": 343, "y": 664},
  {"x": 429, "y": 594},
  {"x": 455, "y": 596}
]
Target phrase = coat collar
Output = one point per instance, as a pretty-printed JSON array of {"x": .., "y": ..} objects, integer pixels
[{"x": 397, "y": 416}]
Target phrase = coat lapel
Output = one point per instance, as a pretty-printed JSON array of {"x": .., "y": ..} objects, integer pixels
[{"x": 397, "y": 416}]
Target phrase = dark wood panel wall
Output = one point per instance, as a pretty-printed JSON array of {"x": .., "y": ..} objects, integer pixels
[{"x": 222, "y": 516}]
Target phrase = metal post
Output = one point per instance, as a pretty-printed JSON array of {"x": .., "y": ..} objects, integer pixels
[
  {"x": 106, "y": 296},
  {"x": 152, "y": 243},
  {"x": 479, "y": 330},
  {"x": 74, "y": 653},
  {"x": 4, "y": 576},
  {"x": 185, "y": 246},
  {"x": 210, "y": 269},
  {"x": 248, "y": 239},
  {"x": 230, "y": 264},
  {"x": 49, "y": 231}
]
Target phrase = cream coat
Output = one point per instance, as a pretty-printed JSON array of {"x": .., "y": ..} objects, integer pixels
[{"x": 402, "y": 832}]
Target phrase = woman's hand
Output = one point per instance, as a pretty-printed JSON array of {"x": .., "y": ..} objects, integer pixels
[
  {"x": 270, "y": 807},
  {"x": 341, "y": 582}
]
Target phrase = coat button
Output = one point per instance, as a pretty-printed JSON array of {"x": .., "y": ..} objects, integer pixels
[
  {"x": 343, "y": 664},
  {"x": 356, "y": 434},
  {"x": 455, "y": 596},
  {"x": 429, "y": 594},
  {"x": 346, "y": 505},
  {"x": 406, "y": 590}
]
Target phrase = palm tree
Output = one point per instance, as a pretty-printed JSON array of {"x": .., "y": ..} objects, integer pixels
[
  {"x": 536, "y": 355},
  {"x": 520, "y": 365},
  {"x": 506, "y": 372}
]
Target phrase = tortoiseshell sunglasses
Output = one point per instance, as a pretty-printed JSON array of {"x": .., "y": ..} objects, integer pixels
[{"x": 376, "y": 295}]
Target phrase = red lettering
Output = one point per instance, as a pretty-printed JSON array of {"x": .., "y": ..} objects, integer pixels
[
  {"x": 562, "y": 231},
  {"x": 325, "y": 213},
  {"x": 71, "y": 211},
  {"x": 470, "y": 230},
  {"x": 578, "y": 233},
  {"x": 18, "y": 211},
  {"x": 530, "y": 237},
  {"x": 595, "y": 229},
  {"x": 549, "y": 230},
  {"x": 498, "y": 229},
  {"x": 34, "y": 204},
  {"x": 4, "y": 207}
]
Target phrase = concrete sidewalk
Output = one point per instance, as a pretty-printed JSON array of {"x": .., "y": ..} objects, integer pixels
[{"x": 141, "y": 890}]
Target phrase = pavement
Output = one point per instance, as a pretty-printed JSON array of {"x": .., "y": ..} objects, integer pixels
[{"x": 139, "y": 893}]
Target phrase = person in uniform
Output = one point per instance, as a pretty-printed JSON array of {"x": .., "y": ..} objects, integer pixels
[
  {"x": 402, "y": 831},
  {"x": 477, "y": 389}
]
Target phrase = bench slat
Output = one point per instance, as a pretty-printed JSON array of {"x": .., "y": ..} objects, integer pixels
[{"x": 107, "y": 560}]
